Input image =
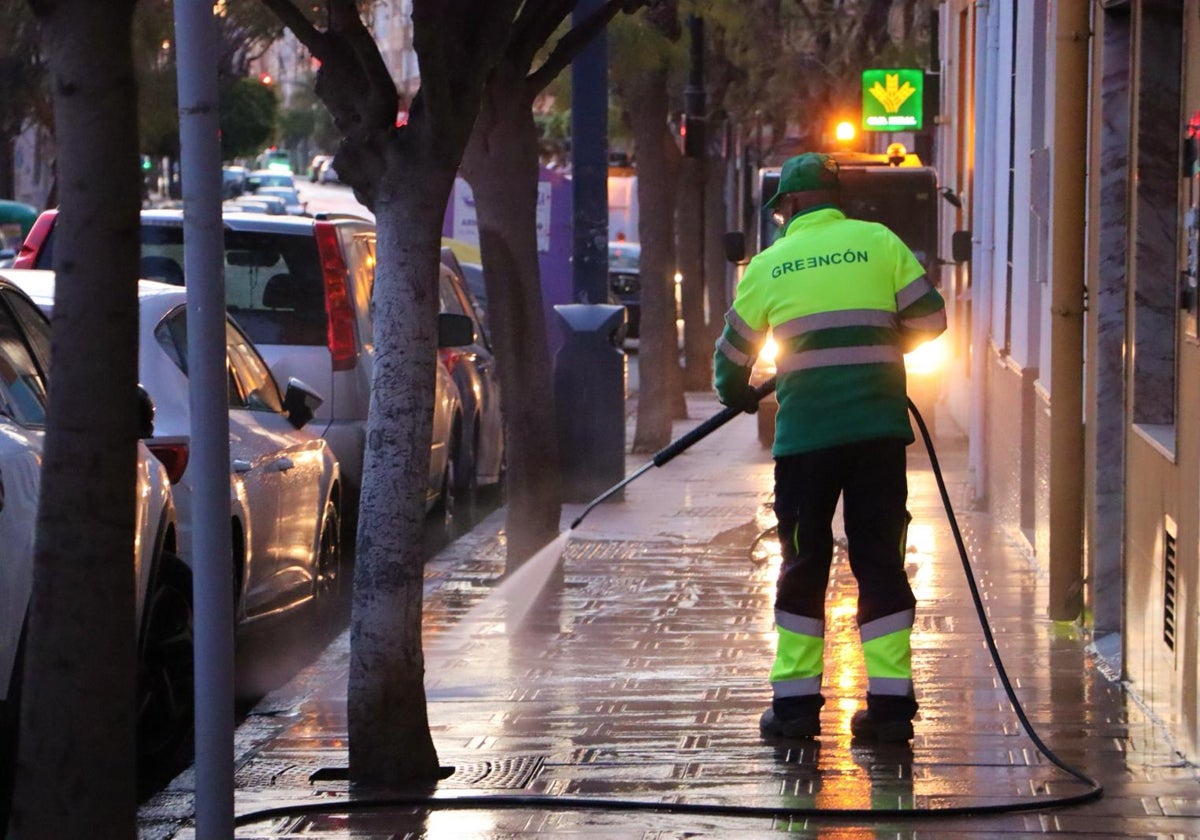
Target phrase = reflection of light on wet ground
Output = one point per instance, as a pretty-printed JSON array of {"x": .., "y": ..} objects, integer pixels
[
  {"x": 922, "y": 548},
  {"x": 843, "y": 655},
  {"x": 460, "y": 824},
  {"x": 765, "y": 550},
  {"x": 922, "y": 539}
]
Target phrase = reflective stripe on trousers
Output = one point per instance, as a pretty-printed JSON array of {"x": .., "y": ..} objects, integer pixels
[
  {"x": 887, "y": 651},
  {"x": 799, "y": 655}
]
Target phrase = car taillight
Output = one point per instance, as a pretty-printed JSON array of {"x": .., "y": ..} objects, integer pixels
[
  {"x": 32, "y": 246},
  {"x": 342, "y": 346},
  {"x": 450, "y": 358},
  {"x": 174, "y": 457}
]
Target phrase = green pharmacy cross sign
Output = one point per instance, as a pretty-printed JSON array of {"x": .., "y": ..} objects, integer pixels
[{"x": 892, "y": 100}]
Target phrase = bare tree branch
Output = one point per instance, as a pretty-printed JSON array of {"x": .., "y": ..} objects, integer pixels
[
  {"x": 570, "y": 44},
  {"x": 344, "y": 20},
  {"x": 314, "y": 39},
  {"x": 534, "y": 27}
]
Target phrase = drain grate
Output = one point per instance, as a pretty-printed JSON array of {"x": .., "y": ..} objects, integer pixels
[{"x": 1170, "y": 583}]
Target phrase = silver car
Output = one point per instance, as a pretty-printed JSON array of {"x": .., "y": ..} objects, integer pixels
[
  {"x": 293, "y": 204},
  {"x": 164, "y": 589},
  {"x": 284, "y": 482}
]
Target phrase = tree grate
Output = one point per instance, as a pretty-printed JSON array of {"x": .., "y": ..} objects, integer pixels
[
  {"x": 490, "y": 774},
  {"x": 496, "y": 774}
]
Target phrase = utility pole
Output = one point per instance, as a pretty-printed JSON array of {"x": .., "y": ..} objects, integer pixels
[
  {"x": 694, "y": 101},
  {"x": 204, "y": 263},
  {"x": 589, "y": 162},
  {"x": 589, "y": 375},
  {"x": 697, "y": 351}
]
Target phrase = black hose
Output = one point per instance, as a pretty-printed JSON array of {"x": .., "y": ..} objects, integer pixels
[
  {"x": 565, "y": 803},
  {"x": 1096, "y": 789}
]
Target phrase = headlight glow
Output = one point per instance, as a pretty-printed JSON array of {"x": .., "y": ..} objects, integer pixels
[
  {"x": 764, "y": 365},
  {"x": 769, "y": 351},
  {"x": 928, "y": 359}
]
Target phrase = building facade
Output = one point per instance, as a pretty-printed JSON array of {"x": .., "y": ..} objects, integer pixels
[
  {"x": 1070, "y": 131},
  {"x": 290, "y": 65}
]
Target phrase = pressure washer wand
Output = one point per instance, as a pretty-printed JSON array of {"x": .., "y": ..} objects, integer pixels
[{"x": 675, "y": 447}]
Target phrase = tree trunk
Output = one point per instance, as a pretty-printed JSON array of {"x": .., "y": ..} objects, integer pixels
[
  {"x": 693, "y": 249},
  {"x": 390, "y": 743},
  {"x": 501, "y": 164},
  {"x": 7, "y": 176},
  {"x": 404, "y": 175},
  {"x": 717, "y": 274},
  {"x": 76, "y": 762},
  {"x": 660, "y": 392}
]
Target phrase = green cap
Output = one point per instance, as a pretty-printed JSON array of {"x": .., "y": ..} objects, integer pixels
[{"x": 806, "y": 173}]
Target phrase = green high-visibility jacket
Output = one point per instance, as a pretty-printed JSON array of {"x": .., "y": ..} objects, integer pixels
[{"x": 844, "y": 299}]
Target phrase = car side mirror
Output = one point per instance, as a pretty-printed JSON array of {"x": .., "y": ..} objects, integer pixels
[
  {"x": 960, "y": 246},
  {"x": 455, "y": 330},
  {"x": 300, "y": 402},
  {"x": 735, "y": 246},
  {"x": 145, "y": 413}
]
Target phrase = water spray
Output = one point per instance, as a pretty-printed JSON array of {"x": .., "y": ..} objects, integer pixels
[{"x": 672, "y": 449}]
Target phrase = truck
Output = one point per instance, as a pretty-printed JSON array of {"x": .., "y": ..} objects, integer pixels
[{"x": 894, "y": 189}]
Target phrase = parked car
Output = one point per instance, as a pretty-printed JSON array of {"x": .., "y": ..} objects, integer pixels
[
  {"x": 292, "y": 203},
  {"x": 314, "y": 168},
  {"x": 471, "y": 272},
  {"x": 163, "y": 582},
  {"x": 234, "y": 181},
  {"x": 301, "y": 289},
  {"x": 258, "y": 202},
  {"x": 284, "y": 483},
  {"x": 269, "y": 178},
  {"x": 624, "y": 282},
  {"x": 328, "y": 175},
  {"x": 479, "y": 438},
  {"x": 276, "y": 160}
]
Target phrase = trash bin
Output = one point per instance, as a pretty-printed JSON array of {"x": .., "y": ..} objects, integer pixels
[{"x": 589, "y": 392}]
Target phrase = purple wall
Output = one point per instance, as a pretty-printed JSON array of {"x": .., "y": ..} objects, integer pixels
[{"x": 554, "y": 239}]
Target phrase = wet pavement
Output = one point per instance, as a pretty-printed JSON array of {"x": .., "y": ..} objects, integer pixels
[{"x": 626, "y": 703}]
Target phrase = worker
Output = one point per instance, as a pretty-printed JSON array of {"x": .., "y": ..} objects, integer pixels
[{"x": 844, "y": 300}]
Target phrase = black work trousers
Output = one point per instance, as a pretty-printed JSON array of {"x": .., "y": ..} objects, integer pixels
[{"x": 870, "y": 478}]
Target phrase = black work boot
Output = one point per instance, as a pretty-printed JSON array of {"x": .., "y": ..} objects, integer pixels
[
  {"x": 867, "y": 727},
  {"x": 792, "y": 717},
  {"x": 803, "y": 726},
  {"x": 886, "y": 718}
]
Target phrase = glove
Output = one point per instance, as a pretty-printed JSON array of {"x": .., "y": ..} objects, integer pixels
[{"x": 743, "y": 400}]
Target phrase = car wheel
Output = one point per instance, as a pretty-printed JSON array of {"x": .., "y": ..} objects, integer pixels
[
  {"x": 463, "y": 466},
  {"x": 166, "y": 690},
  {"x": 328, "y": 578},
  {"x": 446, "y": 510}
]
